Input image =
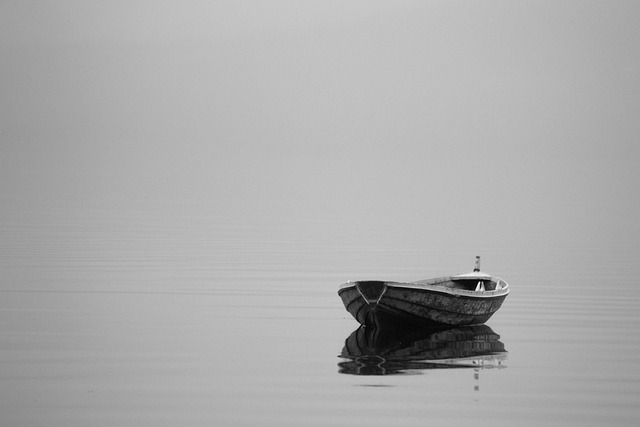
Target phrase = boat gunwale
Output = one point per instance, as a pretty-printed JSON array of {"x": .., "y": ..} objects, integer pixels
[{"x": 434, "y": 286}]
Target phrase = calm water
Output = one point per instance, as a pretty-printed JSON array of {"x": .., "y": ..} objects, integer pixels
[{"x": 164, "y": 316}]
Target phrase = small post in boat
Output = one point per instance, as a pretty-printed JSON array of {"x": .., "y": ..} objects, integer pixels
[{"x": 477, "y": 267}]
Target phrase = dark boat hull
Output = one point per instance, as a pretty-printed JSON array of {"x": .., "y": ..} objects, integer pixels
[{"x": 390, "y": 303}]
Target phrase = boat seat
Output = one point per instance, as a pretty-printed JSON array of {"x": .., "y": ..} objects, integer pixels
[{"x": 480, "y": 286}]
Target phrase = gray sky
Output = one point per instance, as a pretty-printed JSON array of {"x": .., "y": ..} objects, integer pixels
[{"x": 513, "y": 120}]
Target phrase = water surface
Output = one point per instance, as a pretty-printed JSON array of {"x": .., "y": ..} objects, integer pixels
[{"x": 140, "y": 318}]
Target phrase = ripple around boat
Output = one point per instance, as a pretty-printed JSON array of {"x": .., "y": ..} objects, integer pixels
[
  {"x": 389, "y": 351},
  {"x": 464, "y": 299}
]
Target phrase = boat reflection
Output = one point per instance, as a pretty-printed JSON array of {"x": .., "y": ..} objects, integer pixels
[{"x": 393, "y": 351}]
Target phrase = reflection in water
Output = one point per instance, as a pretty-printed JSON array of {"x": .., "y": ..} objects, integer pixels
[{"x": 394, "y": 351}]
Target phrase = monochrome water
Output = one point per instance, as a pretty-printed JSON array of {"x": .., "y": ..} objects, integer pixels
[{"x": 142, "y": 319}]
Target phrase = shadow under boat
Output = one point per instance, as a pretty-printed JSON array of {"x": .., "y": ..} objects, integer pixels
[{"x": 391, "y": 351}]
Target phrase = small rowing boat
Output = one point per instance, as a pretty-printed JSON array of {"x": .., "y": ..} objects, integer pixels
[{"x": 443, "y": 302}]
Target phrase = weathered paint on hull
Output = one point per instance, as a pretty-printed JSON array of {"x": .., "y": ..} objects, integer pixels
[{"x": 421, "y": 307}]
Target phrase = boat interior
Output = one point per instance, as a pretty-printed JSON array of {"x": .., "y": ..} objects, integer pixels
[
  {"x": 480, "y": 284},
  {"x": 477, "y": 284}
]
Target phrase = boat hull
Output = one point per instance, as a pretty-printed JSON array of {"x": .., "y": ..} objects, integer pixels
[{"x": 432, "y": 305}]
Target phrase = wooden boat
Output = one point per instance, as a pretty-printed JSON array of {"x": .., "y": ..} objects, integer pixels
[
  {"x": 443, "y": 302},
  {"x": 369, "y": 351}
]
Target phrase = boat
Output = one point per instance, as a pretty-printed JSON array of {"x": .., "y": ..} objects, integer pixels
[
  {"x": 443, "y": 302},
  {"x": 370, "y": 351}
]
